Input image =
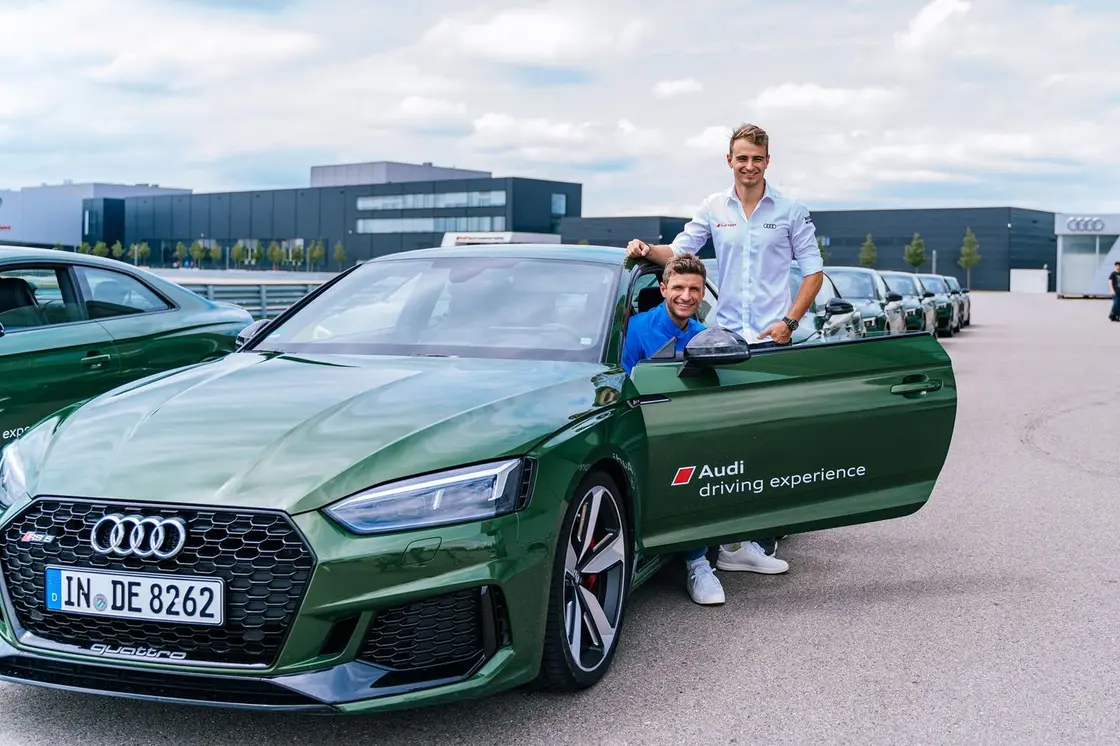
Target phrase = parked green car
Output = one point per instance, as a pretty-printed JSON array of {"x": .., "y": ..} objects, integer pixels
[
  {"x": 964, "y": 301},
  {"x": 948, "y": 309},
  {"x": 919, "y": 307},
  {"x": 881, "y": 308},
  {"x": 453, "y": 501},
  {"x": 73, "y": 326}
]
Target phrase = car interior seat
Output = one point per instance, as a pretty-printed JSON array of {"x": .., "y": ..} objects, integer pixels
[
  {"x": 649, "y": 298},
  {"x": 18, "y": 307}
]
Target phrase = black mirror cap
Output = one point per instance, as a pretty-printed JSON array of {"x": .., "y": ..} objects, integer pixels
[
  {"x": 250, "y": 331},
  {"x": 1, "y": 330},
  {"x": 837, "y": 306},
  {"x": 894, "y": 297},
  {"x": 717, "y": 346},
  {"x": 929, "y": 294}
]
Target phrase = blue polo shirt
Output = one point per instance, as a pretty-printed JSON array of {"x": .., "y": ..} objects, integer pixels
[{"x": 648, "y": 332}]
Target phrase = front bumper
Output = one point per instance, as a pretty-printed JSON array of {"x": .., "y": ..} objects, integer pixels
[{"x": 381, "y": 623}]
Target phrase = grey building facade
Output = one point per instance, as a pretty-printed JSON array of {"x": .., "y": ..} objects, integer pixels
[
  {"x": 1009, "y": 238},
  {"x": 52, "y": 214},
  {"x": 368, "y": 220}
]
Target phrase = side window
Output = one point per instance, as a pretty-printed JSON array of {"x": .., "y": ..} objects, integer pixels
[
  {"x": 36, "y": 297},
  {"x": 881, "y": 286},
  {"x": 109, "y": 294}
]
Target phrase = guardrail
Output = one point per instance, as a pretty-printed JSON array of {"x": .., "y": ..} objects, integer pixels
[{"x": 264, "y": 300}]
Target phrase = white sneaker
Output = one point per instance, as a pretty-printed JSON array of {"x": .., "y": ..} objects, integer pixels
[
  {"x": 703, "y": 585},
  {"x": 749, "y": 557}
]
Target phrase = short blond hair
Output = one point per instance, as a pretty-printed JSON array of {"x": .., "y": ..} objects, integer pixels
[
  {"x": 753, "y": 134},
  {"x": 684, "y": 264}
]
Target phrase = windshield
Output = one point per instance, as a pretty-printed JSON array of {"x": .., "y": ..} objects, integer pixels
[
  {"x": 494, "y": 307},
  {"x": 934, "y": 283},
  {"x": 953, "y": 284},
  {"x": 853, "y": 284},
  {"x": 902, "y": 284}
]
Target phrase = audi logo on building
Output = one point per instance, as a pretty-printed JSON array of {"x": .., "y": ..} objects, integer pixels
[
  {"x": 138, "y": 536},
  {"x": 1085, "y": 224}
]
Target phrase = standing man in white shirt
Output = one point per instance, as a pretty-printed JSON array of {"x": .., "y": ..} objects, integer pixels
[{"x": 757, "y": 233}]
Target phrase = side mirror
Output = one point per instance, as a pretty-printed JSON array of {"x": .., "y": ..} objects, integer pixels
[
  {"x": 838, "y": 307},
  {"x": 928, "y": 294},
  {"x": 250, "y": 331},
  {"x": 894, "y": 298},
  {"x": 964, "y": 290},
  {"x": 712, "y": 347},
  {"x": 1, "y": 330}
]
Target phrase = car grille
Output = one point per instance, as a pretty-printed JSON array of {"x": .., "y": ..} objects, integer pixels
[
  {"x": 453, "y": 630},
  {"x": 260, "y": 555}
]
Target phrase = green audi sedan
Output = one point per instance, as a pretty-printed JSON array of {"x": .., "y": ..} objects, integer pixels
[
  {"x": 73, "y": 326},
  {"x": 880, "y": 307},
  {"x": 456, "y": 497},
  {"x": 948, "y": 307},
  {"x": 917, "y": 303}
]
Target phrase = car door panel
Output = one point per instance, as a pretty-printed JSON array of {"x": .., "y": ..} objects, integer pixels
[
  {"x": 793, "y": 440},
  {"x": 47, "y": 368},
  {"x": 150, "y": 333}
]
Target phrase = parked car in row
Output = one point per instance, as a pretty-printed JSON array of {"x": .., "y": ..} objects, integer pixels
[
  {"x": 73, "y": 326},
  {"x": 948, "y": 303}
]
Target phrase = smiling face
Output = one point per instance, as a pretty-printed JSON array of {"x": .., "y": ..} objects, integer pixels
[
  {"x": 683, "y": 287},
  {"x": 749, "y": 155}
]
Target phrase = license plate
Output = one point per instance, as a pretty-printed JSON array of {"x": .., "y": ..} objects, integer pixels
[{"x": 138, "y": 596}]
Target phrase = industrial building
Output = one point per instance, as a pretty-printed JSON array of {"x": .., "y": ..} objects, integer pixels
[
  {"x": 367, "y": 209},
  {"x": 1009, "y": 238},
  {"x": 1088, "y": 249}
]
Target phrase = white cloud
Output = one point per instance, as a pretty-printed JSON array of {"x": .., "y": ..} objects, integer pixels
[
  {"x": 671, "y": 88},
  {"x": 876, "y": 102}
]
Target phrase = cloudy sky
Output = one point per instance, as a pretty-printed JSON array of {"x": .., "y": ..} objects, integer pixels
[{"x": 876, "y": 103}]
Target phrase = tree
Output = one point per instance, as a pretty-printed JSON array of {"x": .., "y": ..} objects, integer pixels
[
  {"x": 83, "y": 248},
  {"x": 143, "y": 251},
  {"x": 197, "y": 252},
  {"x": 216, "y": 253},
  {"x": 317, "y": 252},
  {"x": 297, "y": 255},
  {"x": 117, "y": 250},
  {"x": 181, "y": 252},
  {"x": 915, "y": 254},
  {"x": 275, "y": 254},
  {"x": 237, "y": 253},
  {"x": 340, "y": 254},
  {"x": 970, "y": 255},
  {"x": 100, "y": 249},
  {"x": 867, "y": 253}
]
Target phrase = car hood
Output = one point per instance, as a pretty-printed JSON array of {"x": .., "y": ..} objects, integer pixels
[
  {"x": 297, "y": 432},
  {"x": 866, "y": 306}
]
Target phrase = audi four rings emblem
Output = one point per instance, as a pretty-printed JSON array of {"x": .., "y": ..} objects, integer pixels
[
  {"x": 1085, "y": 224},
  {"x": 138, "y": 536}
]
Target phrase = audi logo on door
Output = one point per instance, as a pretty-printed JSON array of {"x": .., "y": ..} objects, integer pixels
[{"x": 1085, "y": 225}]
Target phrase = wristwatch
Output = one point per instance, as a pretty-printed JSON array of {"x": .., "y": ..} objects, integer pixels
[{"x": 790, "y": 323}]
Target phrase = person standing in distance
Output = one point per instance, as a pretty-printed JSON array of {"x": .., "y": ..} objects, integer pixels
[
  {"x": 757, "y": 233},
  {"x": 1114, "y": 283}
]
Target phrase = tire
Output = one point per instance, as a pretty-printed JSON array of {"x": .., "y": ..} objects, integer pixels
[{"x": 607, "y": 589}]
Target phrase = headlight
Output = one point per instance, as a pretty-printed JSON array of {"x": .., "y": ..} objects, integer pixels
[
  {"x": 13, "y": 478},
  {"x": 470, "y": 493}
]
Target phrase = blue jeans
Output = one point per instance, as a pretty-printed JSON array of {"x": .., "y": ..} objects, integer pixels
[
  {"x": 1116, "y": 305},
  {"x": 768, "y": 545}
]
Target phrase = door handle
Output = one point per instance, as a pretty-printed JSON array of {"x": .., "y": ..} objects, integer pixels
[
  {"x": 95, "y": 361},
  {"x": 916, "y": 387}
]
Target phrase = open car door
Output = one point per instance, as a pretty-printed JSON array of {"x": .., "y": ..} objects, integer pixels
[{"x": 791, "y": 439}]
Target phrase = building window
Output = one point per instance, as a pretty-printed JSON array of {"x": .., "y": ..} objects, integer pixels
[
  {"x": 431, "y": 225},
  {"x": 495, "y": 198},
  {"x": 559, "y": 205}
]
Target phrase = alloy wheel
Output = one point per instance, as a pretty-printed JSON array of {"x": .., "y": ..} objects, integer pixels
[{"x": 595, "y": 569}]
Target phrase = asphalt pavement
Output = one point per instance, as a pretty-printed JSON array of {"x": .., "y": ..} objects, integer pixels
[{"x": 991, "y": 616}]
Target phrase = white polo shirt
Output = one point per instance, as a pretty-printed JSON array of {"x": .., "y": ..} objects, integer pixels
[{"x": 754, "y": 255}]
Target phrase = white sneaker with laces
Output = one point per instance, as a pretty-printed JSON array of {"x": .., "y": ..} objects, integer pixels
[
  {"x": 703, "y": 585},
  {"x": 749, "y": 557}
]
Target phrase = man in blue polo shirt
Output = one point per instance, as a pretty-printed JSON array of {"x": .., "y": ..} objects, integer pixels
[{"x": 682, "y": 285}]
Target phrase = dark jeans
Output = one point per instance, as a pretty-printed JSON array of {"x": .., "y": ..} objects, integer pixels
[{"x": 1116, "y": 305}]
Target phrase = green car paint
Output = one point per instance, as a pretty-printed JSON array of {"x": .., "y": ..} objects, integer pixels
[
  {"x": 864, "y": 288},
  {"x": 948, "y": 316},
  {"x": 384, "y": 527},
  {"x": 73, "y": 326},
  {"x": 918, "y": 305},
  {"x": 964, "y": 301}
]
